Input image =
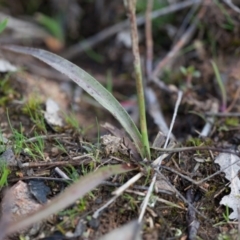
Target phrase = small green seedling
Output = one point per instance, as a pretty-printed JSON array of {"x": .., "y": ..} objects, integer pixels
[
  {"x": 52, "y": 25},
  {"x": 60, "y": 146},
  {"x": 226, "y": 214},
  {"x": 232, "y": 122},
  {"x": 3, "y": 25},
  {"x": 221, "y": 85},
  {"x": 94, "y": 56},
  {"x": 72, "y": 173},
  {"x": 18, "y": 137},
  {"x": 190, "y": 72},
  {"x": 109, "y": 84},
  {"x": 36, "y": 148},
  {"x": 33, "y": 109},
  {"x": 229, "y": 24},
  {"x": 131, "y": 201},
  {"x": 6, "y": 90},
  {"x": 72, "y": 121},
  {"x": 4, "y": 172}
]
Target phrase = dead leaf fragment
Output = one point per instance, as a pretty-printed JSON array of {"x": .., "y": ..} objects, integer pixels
[
  {"x": 52, "y": 113},
  {"x": 230, "y": 165}
]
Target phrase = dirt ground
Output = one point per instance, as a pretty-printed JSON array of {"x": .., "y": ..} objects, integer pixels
[{"x": 185, "y": 203}]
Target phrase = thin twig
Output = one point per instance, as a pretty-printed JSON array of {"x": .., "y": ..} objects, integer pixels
[
  {"x": 200, "y": 181},
  {"x": 234, "y": 101},
  {"x": 168, "y": 203},
  {"x": 40, "y": 178},
  {"x": 117, "y": 193},
  {"x": 127, "y": 184},
  {"x": 61, "y": 173},
  {"x": 175, "y": 50},
  {"x": 88, "y": 43},
  {"x": 115, "y": 184},
  {"x": 84, "y": 159},
  {"x": 48, "y": 137},
  {"x": 185, "y": 149},
  {"x": 149, "y": 41},
  {"x": 209, "y": 121},
  {"x": 185, "y": 22},
  {"x": 146, "y": 200},
  {"x": 225, "y": 114},
  {"x": 232, "y": 6},
  {"x": 180, "y": 195},
  {"x": 154, "y": 109}
]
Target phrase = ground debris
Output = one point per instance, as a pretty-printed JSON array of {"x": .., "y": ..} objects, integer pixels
[{"x": 20, "y": 204}]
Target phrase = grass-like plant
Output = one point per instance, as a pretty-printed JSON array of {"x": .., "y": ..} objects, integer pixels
[
  {"x": 94, "y": 88},
  {"x": 221, "y": 86},
  {"x": 131, "y": 8},
  {"x": 107, "y": 100},
  {"x": 4, "y": 172},
  {"x": 98, "y": 92}
]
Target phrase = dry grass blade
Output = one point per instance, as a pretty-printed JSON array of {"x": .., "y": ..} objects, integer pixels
[
  {"x": 90, "y": 85},
  {"x": 130, "y": 231},
  {"x": 131, "y": 9},
  {"x": 68, "y": 197}
]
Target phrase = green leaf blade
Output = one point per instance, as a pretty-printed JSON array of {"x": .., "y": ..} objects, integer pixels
[
  {"x": 90, "y": 85},
  {"x": 3, "y": 25}
]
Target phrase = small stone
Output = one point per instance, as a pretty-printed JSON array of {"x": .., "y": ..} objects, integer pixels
[{"x": 19, "y": 203}]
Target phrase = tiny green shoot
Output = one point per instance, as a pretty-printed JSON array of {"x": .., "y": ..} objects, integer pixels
[
  {"x": 61, "y": 147},
  {"x": 3, "y": 25},
  {"x": 4, "y": 172},
  {"x": 109, "y": 84},
  {"x": 95, "y": 56},
  {"x": 72, "y": 121},
  {"x": 18, "y": 137},
  {"x": 226, "y": 214},
  {"x": 52, "y": 25},
  {"x": 34, "y": 110},
  {"x": 38, "y": 147},
  {"x": 221, "y": 85},
  {"x": 72, "y": 172}
]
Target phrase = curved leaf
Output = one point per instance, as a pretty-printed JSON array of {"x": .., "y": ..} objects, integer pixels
[
  {"x": 90, "y": 85},
  {"x": 69, "y": 196}
]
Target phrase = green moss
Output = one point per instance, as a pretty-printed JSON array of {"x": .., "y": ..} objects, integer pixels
[
  {"x": 6, "y": 91},
  {"x": 232, "y": 122}
]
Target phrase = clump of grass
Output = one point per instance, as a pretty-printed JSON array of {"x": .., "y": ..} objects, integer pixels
[
  {"x": 33, "y": 108},
  {"x": 6, "y": 90},
  {"x": 72, "y": 121},
  {"x": 35, "y": 149},
  {"x": 18, "y": 139},
  {"x": 61, "y": 147},
  {"x": 72, "y": 172}
]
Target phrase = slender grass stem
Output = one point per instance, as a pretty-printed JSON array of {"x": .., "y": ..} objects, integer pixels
[
  {"x": 130, "y": 4},
  {"x": 221, "y": 86}
]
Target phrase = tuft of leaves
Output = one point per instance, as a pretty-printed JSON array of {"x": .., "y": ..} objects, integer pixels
[{"x": 90, "y": 85}]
